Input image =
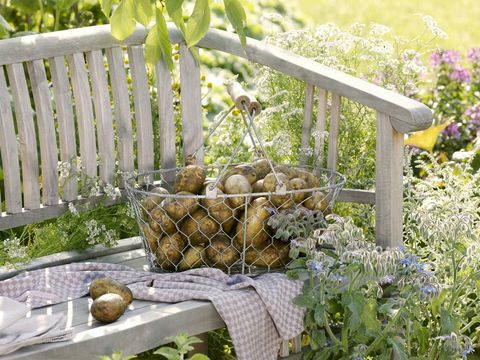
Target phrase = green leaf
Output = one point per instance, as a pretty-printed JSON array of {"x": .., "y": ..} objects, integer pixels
[
  {"x": 106, "y": 6},
  {"x": 355, "y": 303},
  {"x": 449, "y": 323},
  {"x": 421, "y": 333},
  {"x": 369, "y": 317},
  {"x": 157, "y": 44},
  {"x": 122, "y": 21},
  {"x": 237, "y": 17},
  {"x": 198, "y": 23},
  {"x": 199, "y": 357},
  {"x": 168, "y": 352},
  {"x": 174, "y": 10},
  {"x": 398, "y": 350},
  {"x": 304, "y": 301},
  {"x": 143, "y": 11},
  {"x": 4, "y": 24}
]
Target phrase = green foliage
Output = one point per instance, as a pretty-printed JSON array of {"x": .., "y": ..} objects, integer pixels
[
  {"x": 183, "y": 345},
  {"x": 117, "y": 355}
]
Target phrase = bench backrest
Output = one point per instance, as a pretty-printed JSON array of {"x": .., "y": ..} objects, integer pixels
[{"x": 88, "y": 72}]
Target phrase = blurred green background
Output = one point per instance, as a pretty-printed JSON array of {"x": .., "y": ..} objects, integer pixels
[{"x": 460, "y": 19}]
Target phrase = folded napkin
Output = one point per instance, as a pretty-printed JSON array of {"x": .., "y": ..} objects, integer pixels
[
  {"x": 258, "y": 311},
  {"x": 17, "y": 331}
]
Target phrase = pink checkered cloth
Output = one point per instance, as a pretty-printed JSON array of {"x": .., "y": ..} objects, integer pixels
[{"x": 258, "y": 311}]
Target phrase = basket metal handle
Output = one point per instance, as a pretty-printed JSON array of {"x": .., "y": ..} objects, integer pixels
[{"x": 240, "y": 97}]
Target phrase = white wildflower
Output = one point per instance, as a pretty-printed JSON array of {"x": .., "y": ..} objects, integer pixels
[
  {"x": 73, "y": 210},
  {"x": 378, "y": 29},
  {"x": 14, "y": 249},
  {"x": 433, "y": 27},
  {"x": 111, "y": 191}
]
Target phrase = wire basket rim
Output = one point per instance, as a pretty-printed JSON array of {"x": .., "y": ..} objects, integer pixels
[{"x": 337, "y": 184}]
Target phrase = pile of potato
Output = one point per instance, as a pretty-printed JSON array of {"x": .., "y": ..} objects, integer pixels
[
  {"x": 110, "y": 299},
  {"x": 187, "y": 231}
]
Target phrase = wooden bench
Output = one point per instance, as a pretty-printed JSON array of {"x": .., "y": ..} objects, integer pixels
[{"x": 84, "y": 65}]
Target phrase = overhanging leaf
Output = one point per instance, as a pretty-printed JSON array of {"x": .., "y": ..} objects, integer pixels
[
  {"x": 4, "y": 24},
  {"x": 143, "y": 11},
  {"x": 157, "y": 44},
  {"x": 122, "y": 20},
  {"x": 106, "y": 6},
  {"x": 237, "y": 17},
  {"x": 426, "y": 139},
  {"x": 198, "y": 23},
  {"x": 174, "y": 10}
]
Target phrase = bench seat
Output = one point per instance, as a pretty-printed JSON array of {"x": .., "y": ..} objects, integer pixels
[{"x": 149, "y": 322}]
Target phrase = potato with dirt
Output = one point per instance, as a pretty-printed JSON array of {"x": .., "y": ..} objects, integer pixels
[
  {"x": 194, "y": 257},
  {"x": 178, "y": 207},
  {"x": 288, "y": 170},
  {"x": 169, "y": 252},
  {"x": 298, "y": 184},
  {"x": 237, "y": 184},
  {"x": 258, "y": 187},
  {"x": 218, "y": 208},
  {"x": 106, "y": 285},
  {"x": 199, "y": 228},
  {"x": 160, "y": 222},
  {"x": 273, "y": 256},
  {"x": 152, "y": 237},
  {"x": 262, "y": 167},
  {"x": 312, "y": 181},
  {"x": 270, "y": 181},
  {"x": 221, "y": 253},
  {"x": 257, "y": 232},
  {"x": 152, "y": 201},
  {"x": 247, "y": 171},
  {"x": 190, "y": 178},
  {"x": 107, "y": 308},
  {"x": 318, "y": 201}
]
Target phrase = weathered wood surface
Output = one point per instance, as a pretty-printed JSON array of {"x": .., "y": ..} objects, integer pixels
[
  {"x": 389, "y": 184},
  {"x": 145, "y": 323},
  {"x": 191, "y": 103},
  {"x": 167, "y": 122},
  {"x": 46, "y": 131},
  {"x": 307, "y": 122},
  {"x": 66, "y": 127},
  {"x": 406, "y": 114},
  {"x": 103, "y": 115},
  {"x": 334, "y": 132},
  {"x": 143, "y": 108},
  {"x": 9, "y": 151},
  {"x": 123, "y": 116},
  {"x": 320, "y": 127},
  {"x": 26, "y": 135}
]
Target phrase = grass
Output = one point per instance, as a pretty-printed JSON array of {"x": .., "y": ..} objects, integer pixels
[{"x": 459, "y": 19}]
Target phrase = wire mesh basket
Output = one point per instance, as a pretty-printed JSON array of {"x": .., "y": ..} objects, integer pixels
[
  {"x": 238, "y": 218},
  {"x": 203, "y": 219}
]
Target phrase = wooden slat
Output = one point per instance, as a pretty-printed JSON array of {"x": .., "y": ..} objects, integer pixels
[
  {"x": 103, "y": 115},
  {"x": 46, "y": 131},
  {"x": 297, "y": 344},
  {"x": 357, "y": 196},
  {"x": 191, "y": 104},
  {"x": 143, "y": 110},
  {"x": 26, "y": 134},
  {"x": 284, "y": 350},
  {"x": 66, "y": 125},
  {"x": 320, "y": 127},
  {"x": 307, "y": 122},
  {"x": 84, "y": 111},
  {"x": 333, "y": 133},
  {"x": 123, "y": 117},
  {"x": 9, "y": 151},
  {"x": 389, "y": 183},
  {"x": 165, "y": 114}
]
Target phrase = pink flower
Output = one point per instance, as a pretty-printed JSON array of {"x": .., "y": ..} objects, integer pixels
[
  {"x": 460, "y": 74},
  {"x": 450, "y": 57},
  {"x": 474, "y": 54}
]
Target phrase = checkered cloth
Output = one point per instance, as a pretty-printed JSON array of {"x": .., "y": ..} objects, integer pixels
[{"x": 258, "y": 311}]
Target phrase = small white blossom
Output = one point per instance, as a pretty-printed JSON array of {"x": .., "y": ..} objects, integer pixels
[{"x": 73, "y": 210}]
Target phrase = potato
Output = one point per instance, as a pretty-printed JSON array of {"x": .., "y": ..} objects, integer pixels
[
  {"x": 178, "y": 208},
  {"x": 273, "y": 256},
  {"x": 194, "y": 257},
  {"x": 190, "y": 179},
  {"x": 169, "y": 251},
  {"x": 218, "y": 208},
  {"x": 160, "y": 222},
  {"x": 108, "y": 308},
  {"x": 199, "y": 228},
  {"x": 106, "y": 285},
  {"x": 311, "y": 180},
  {"x": 258, "y": 187},
  {"x": 270, "y": 183},
  {"x": 152, "y": 237},
  {"x": 221, "y": 253},
  {"x": 287, "y": 170},
  {"x": 317, "y": 201},
  {"x": 262, "y": 167},
  {"x": 211, "y": 182},
  {"x": 257, "y": 231},
  {"x": 248, "y": 171},
  {"x": 152, "y": 201},
  {"x": 298, "y": 184},
  {"x": 237, "y": 184},
  {"x": 228, "y": 225}
]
